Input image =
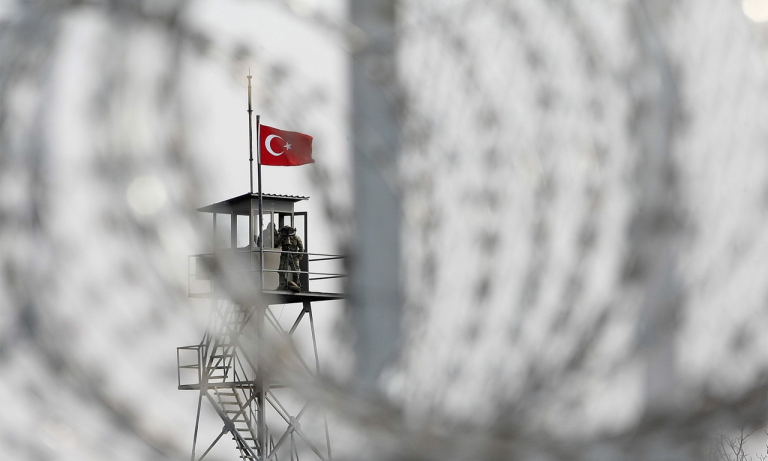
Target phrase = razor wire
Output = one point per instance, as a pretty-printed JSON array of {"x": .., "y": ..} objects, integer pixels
[{"x": 584, "y": 189}]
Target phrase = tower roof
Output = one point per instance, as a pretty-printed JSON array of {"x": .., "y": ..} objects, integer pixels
[{"x": 242, "y": 203}]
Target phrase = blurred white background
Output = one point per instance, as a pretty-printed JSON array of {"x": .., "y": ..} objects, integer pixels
[{"x": 584, "y": 188}]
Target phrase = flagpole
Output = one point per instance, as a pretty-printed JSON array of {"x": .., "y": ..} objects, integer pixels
[
  {"x": 261, "y": 202},
  {"x": 262, "y": 371}
]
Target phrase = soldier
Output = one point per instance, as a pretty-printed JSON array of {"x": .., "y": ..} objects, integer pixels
[
  {"x": 271, "y": 241},
  {"x": 289, "y": 241}
]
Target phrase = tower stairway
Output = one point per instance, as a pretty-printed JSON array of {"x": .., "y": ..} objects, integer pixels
[{"x": 226, "y": 378}]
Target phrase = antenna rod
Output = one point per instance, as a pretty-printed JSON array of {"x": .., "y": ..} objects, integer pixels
[
  {"x": 250, "y": 127},
  {"x": 260, "y": 318}
]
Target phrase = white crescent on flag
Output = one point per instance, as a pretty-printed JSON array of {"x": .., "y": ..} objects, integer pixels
[{"x": 268, "y": 145}]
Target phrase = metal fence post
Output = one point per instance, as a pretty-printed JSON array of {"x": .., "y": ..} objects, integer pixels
[{"x": 375, "y": 294}]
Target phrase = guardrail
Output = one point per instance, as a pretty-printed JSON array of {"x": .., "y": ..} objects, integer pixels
[
  {"x": 244, "y": 261},
  {"x": 189, "y": 372}
]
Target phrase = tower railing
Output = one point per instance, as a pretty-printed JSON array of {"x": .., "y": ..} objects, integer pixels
[{"x": 244, "y": 261}]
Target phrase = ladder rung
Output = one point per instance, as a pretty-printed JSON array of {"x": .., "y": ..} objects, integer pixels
[{"x": 247, "y": 438}]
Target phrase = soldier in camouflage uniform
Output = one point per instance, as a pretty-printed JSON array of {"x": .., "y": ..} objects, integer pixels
[
  {"x": 289, "y": 241},
  {"x": 271, "y": 240}
]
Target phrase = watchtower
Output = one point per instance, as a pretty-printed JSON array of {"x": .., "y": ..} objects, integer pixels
[{"x": 247, "y": 363}]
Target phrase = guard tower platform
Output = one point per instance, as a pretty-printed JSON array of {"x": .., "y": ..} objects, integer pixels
[
  {"x": 238, "y": 253},
  {"x": 230, "y": 367}
]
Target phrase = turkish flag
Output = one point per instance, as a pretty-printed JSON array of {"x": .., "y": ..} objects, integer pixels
[{"x": 285, "y": 148}]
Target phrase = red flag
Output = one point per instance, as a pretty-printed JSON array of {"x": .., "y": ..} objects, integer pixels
[{"x": 285, "y": 148}]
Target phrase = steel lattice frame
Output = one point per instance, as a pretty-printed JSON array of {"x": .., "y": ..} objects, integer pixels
[{"x": 239, "y": 385}]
